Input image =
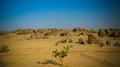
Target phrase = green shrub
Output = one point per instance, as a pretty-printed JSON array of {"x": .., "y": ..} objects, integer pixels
[
  {"x": 60, "y": 55},
  {"x": 66, "y": 48},
  {"x": 4, "y": 49}
]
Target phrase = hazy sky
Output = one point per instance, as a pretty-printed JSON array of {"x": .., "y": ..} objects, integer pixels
[{"x": 68, "y": 14}]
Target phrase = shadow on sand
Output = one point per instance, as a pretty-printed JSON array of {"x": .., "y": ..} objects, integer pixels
[
  {"x": 49, "y": 62},
  {"x": 2, "y": 63}
]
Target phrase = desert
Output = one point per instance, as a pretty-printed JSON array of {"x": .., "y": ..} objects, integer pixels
[{"x": 33, "y": 48}]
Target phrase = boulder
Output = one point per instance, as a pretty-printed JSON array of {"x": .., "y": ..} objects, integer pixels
[
  {"x": 101, "y": 44},
  {"x": 81, "y": 41},
  {"x": 108, "y": 43},
  {"x": 92, "y": 39},
  {"x": 117, "y": 44},
  {"x": 64, "y": 34},
  {"x": 101, "y": 33}
]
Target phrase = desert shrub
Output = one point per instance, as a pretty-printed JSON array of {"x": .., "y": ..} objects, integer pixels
[
  {"x": 117, "y": 44},
  {"x": 60, "y": 55},
  {"x": 108, "y": 43},
  {"x": 66, "y": 48},
  {"x": 4, "y": 49}
]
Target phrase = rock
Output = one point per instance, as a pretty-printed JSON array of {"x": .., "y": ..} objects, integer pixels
[
  {"x": 81, "y": 41},
  {"x": 101, "y": 33},
  {"x": 101, "y": 44},
  {"x": 61, "y": 41},
  {"x": 117, "y": 44},
  {"x": 77, "y": 29},
  {"x": 108, "y": 43},
  {"x": 63, "y": 34},
  {"x": 70, "y": 41},
  {"x": 93, "y": 31},
  {"x": 112, "y": 32},
  {"x": 24, "y": 31},
  {"x": 107, "y": 32},
  {"x": 36, "y": 36},
  {"x": 92, "y": 39},
  {"x": 115, "y": 34}
]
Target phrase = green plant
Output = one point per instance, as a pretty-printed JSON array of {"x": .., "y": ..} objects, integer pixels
[
  {"x": 60, "y": 55},
  {"x": 66, "y": 48},
  {"x": 4, "y": 49}
]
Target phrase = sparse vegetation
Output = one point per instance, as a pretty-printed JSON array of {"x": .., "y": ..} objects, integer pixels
[
  {"x": 4, "y": 49},
  {"x": 60, "y": 55},
  {"x": 39, "y": 42}
]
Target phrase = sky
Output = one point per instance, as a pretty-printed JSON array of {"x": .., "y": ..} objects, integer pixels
[{"x": 90, "y": 14}]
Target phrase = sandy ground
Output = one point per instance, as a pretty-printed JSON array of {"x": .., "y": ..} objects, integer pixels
[{"x": 38, "y": 53}]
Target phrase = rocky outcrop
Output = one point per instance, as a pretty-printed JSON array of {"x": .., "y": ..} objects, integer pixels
[
  {"x": 77, "y": 29},
  {"x": 101, "y": 33},
  {"x": 92, "y": 39},
  {"x": 24, "y": 31},
  {"x": 109, "y": 32},
  {"x": 81, "y": 41}
]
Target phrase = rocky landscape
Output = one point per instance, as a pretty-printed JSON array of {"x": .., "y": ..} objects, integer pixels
[{"x": 33, "y": 48}]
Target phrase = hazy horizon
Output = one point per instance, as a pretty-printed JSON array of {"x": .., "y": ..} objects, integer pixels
[{"x": 89, "y": 14}]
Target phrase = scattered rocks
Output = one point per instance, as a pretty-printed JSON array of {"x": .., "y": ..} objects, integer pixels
[
  {"x": 117, "y": 44},
  {"x": 79, "y": 35},
  {"x": 70, "y": 41},
  {"x": 93, "y": 31},
  {"x": 81, "y": 41},
  {"x": 77, "y": 29},
  {"x": 24, "y": 31},
  {"x": 63, "y": 34},
  {"x": 61, "y": 41},
  {"x": 107, "y": 32}
]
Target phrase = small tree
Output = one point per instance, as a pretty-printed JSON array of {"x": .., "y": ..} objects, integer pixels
[{"x": 60, "y": 55}]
